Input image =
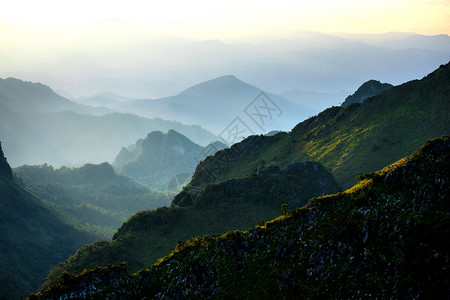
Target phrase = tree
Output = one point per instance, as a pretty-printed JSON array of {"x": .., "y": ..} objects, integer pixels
[{"x": 284, "y": 209}]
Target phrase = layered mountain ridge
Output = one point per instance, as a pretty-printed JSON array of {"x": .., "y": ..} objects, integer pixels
[
  {"x": 352, "y": 244},
  {"x": 358, "y": 138},
  {"x": 232, "y": 204},
  {"x": 39, "y": 126}
]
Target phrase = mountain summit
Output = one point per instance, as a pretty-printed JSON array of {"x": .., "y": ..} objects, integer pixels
[
  {"x": 222, "y": 85},
  {"x": 159, "y": 157},
  {"x": 215, "y": 103},
  {"x": 368, "y": 89}
]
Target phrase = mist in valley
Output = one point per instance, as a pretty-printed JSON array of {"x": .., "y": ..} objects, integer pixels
[{"x": 128, "y": 129}]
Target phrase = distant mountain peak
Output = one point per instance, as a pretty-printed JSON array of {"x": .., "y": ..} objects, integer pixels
[{"x": 217, "y": 85}]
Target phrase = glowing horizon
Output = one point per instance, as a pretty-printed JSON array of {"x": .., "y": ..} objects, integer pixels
[{"x": 234, "y": 19}]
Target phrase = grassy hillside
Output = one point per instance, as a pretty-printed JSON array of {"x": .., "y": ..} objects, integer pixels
[
  {"x": 34, "y": 237},
  {"x": 233, "y": 204},
  {"x": 359, "y": 138},
  {"x": 92, "y": 194},
  {"x": 386, "y": 237}
]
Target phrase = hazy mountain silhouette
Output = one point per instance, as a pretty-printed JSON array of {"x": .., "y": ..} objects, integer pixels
[
  {"x": 40, "y": 126},
  {"x": 108, "y": 100},
  {"x": 304, "y": 60},
  {"x": 27, "y": 97},
  {"x": 215, "y": 103}
]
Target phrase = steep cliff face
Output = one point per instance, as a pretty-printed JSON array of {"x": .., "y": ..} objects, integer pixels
[
  {"x": 5, "y": 169},
  {"x": 385, "y": 237}
]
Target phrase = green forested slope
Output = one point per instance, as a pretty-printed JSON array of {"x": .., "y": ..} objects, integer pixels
[
  {"x": 92, "y": 194},
  {"x": 34, "y": 237},
  {"x": 358, "y": 138},
  {"x": 233, "y": 204},
  {"x": 386, "y": 237}
]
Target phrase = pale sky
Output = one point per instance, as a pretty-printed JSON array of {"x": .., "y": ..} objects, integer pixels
[{"x": 238, "y": 18}]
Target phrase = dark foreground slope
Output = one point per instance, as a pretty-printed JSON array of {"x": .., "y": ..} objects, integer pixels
[
  {"x": 358, "y": 138},
  {"x": 386, "y": 237},
  {"x": 233, "y": 204},
  {"x": 34, "y": 237}
]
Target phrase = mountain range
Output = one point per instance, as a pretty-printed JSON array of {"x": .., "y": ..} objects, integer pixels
[
  {"x": 215, "y": 103},
  {"x": 355, "y": 243},
  {"x": 38, "y": 126},
  {"x": 358, "y": 138},
  {"x": 28, "y": 97},
  {"x": 244, "y": 179},
  {"x": 155, "y": 67}
]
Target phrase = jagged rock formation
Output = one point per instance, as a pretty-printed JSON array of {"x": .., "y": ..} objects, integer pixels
[{"x": 159, "y": 157}]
